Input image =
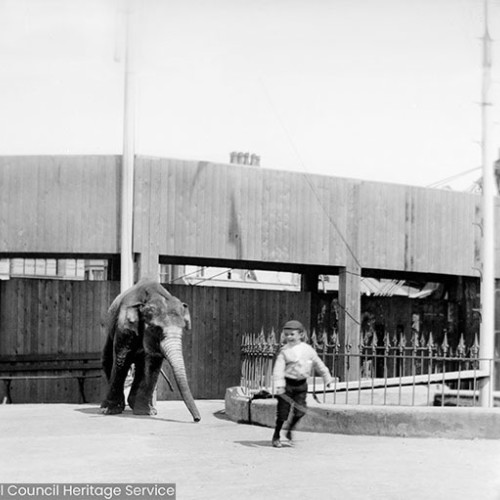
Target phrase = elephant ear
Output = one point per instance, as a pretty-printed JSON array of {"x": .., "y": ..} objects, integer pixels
[
  {"x": 186, "y": 316},
  {"x": 128, "y": 318}
]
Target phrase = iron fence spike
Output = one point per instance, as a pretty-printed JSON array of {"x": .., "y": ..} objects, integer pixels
[
  {"x": 402, "y": 341},
  {"x": 461, "y": 348},
  {"x": 430, "y": 342},
  {"x": 387, "y": 340},
  {"x": 395, "y": 339},
  {"x": 314, "y": 340},
  {"x": 422, "y": 340},
  {"x": 272, "y": 336},
  {"x": 414, "y": 340},
  {"x": 445, "y": 346},
  {"x": 324, "y": 338},
  {"x": 475, "y": 347}
]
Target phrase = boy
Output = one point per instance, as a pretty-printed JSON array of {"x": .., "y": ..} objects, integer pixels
[{"x": 295, "y": 362}]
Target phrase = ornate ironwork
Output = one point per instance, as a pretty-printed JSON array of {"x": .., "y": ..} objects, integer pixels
[{"x": 383, "y": 360}]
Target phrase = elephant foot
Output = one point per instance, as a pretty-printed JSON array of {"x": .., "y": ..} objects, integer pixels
[
  {"x": 131, "y": 402},
  {"x": 111, "y": 411},
  {"x": 108, "y": 408},
  {"x": 145, "y": 410}
]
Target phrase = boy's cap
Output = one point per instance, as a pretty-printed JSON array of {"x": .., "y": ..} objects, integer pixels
[{"x": 293, "y": 325}]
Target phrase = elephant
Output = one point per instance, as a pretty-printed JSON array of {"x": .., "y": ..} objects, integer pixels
[{"x": 145, "y": 325}]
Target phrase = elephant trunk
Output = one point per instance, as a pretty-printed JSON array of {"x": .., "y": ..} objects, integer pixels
[{"x": 171, "y": 347}]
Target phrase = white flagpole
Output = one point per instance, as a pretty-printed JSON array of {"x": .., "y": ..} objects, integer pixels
[
  {"x": 127, "y": 181},
  {"x": 487, "y": 329}
]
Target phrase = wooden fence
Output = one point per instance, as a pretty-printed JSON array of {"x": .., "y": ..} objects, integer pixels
[
  {"x": 39, "y": 316},
  {"x": 50, "y": 316}
]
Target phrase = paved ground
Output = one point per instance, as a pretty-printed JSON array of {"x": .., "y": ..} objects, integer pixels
[{"x": 219, "y": 459}]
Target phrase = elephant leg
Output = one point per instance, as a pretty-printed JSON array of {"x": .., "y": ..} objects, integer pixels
[
  {"x": 138, "y": 377},
  {"x": 107, "y": 357},
  {"x": 143, "y": 404},
  {"x": 115, "y": 399}
]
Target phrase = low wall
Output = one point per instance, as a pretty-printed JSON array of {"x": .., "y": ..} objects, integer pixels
[{"x": 401, "y": 421}]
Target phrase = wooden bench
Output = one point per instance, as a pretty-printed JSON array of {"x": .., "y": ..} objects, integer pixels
[{"x": 79, "y": 366}]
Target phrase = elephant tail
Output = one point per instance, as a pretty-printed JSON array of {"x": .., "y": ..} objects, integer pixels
[{"x": 108, "y": 351}]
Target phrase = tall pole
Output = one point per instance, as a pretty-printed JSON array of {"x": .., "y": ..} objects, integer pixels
[
  {"x": 127, "y": 181},
  {"x": 487, "y": 330}
]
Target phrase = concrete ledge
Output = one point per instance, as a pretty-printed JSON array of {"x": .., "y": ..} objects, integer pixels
[{"x": 401, "y": 421}]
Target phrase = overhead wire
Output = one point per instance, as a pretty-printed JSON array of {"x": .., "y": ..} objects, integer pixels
[
  {"x": 213, "y": 276},
  {"x": 307, "y": 175},
  {"x": 452, "y": 178},
  {"x": 226, "y": 270},
  {"x": 183, "y": 276}
]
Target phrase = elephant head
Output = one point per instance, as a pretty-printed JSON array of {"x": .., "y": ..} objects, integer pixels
[{"x": 146, "y": 324}]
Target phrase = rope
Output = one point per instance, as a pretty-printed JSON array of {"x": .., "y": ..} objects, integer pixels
[{"x": 289, "y": 400}]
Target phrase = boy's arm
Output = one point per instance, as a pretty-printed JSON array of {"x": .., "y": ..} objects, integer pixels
[
  {"x": 279, "y": 375},
  {"x": 321, "y": 368}
]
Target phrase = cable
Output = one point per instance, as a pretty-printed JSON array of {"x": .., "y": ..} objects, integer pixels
[
  {"x": 214, "y": 276},
  {"x": 453, "y": 177},
  {"x": 183, "y": 276},
  {"x": 306, "y": 175}
]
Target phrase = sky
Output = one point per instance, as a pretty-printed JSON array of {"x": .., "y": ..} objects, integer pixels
[{"x": 382, "y": 90}]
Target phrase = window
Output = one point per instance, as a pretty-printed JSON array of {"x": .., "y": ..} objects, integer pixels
[
  {"x": 33, "y": 267},
  {"x": 164, "y": 273},
  {"x": 96, "y": 269}
]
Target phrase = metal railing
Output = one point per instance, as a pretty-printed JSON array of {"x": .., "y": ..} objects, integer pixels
[{"x": 387, "y": 371}]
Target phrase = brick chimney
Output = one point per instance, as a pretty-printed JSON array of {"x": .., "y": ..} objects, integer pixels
[{"x": 241, "y": 158}]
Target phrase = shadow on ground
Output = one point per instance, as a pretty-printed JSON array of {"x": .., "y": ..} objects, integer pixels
[
  {"x": 221, "y": 415},
  {"x": 262, "y": 444},
  {"x": 127, "y": 413}
]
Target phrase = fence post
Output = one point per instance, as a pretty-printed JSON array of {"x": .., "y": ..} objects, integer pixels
[{"x": 350, "y": 319}]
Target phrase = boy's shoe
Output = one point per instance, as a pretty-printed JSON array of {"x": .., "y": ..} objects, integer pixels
[
  {"x": 277, "y": 443},
  {"x": 289, "y": 436}
]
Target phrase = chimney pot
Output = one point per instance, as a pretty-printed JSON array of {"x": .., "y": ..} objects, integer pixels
[{"x": 241, "y": 158}]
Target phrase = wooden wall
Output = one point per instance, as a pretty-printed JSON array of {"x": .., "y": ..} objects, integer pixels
[
  {"x": 49, "y": 316},
  {"x": 220, "y": 317},
  {"x": 52, "y": 316},
  {"x": 408, "y": 228},
  {"x": 70, "y": 205},
  {"x": 223, "y": 211},
  {"x": 59, "y": 204},
  {"x": 199, "y": 209}
]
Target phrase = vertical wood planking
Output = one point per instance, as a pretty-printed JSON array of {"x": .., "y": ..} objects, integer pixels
[
  {"x": 67, "y": 195},
  {"x": 323, "y": 236},
  {"x": 214, "y": 358},
  {"x": 422, "y": 239},
  {"x": 139, "y": 204},
  {"x": 248, "y": 193},
  {"x": 179, "y": 214},
  {"x": 76, "y": 210},
  {"x": 201, "y": 198},
  {"x": 4, "y": 207},
  {"x": 167, "y": 209},
  {"x": 256, "y": 212},
  {"x": 156, "y": 217}
]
